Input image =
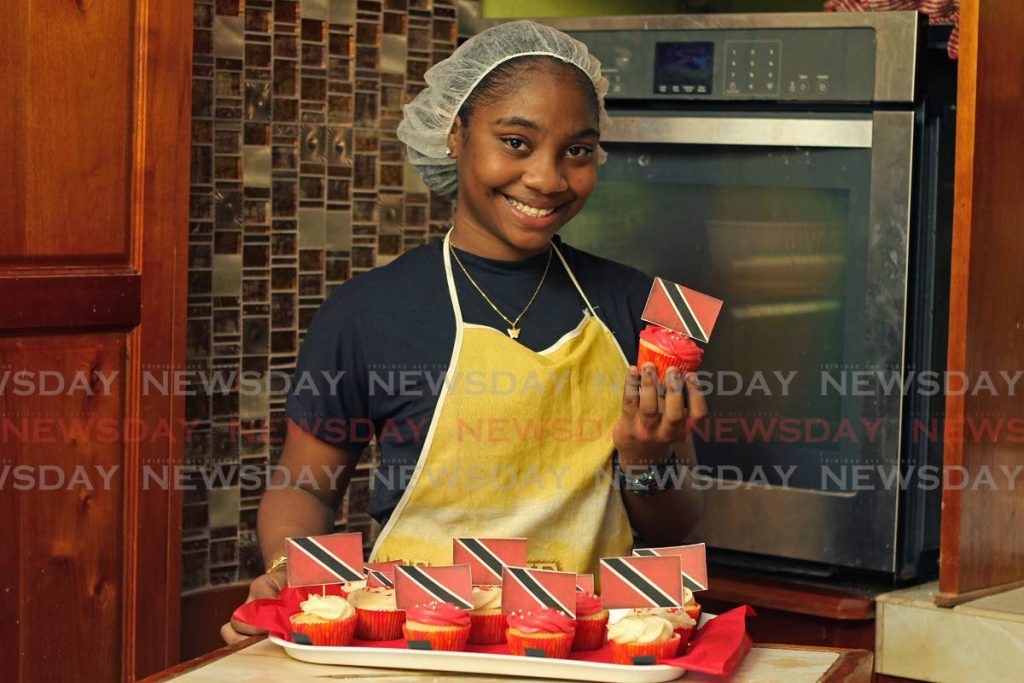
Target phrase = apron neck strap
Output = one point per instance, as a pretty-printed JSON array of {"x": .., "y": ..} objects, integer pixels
[{"x": 447, "y": 255}]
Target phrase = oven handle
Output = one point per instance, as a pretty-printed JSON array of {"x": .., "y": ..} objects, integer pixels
[{"x": 758, "y": 132}]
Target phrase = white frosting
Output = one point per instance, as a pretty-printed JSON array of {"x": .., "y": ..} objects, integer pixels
[
  {"x": 677, "y": 617},
  {"x": 486, "y": 599},
  {"x": 374, "y": 598},
  {"x": 352, "y": 586},
  {"x": 688, "y": 598},
  {"x": 330, "y": 607},
  {"x": 639, "y": 628}
]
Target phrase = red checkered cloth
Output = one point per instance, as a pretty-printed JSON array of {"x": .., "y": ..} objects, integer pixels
[{"x": 938, "y": 11}]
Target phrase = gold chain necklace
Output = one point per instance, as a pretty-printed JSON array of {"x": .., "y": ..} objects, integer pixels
[{"x": 513, "y": 329}]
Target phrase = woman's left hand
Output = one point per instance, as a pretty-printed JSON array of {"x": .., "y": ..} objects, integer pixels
[{"x": 650, "y": 424}]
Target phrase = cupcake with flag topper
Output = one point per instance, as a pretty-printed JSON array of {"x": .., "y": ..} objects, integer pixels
[
  {"x": 437, "y": 601},
  {"x": 487, "y": 558},
  {"x": 650, "y": 586},
  {"x": 546, "y": 632},
  {"x": 378, "y": 615},
  {"x": 642, "y": 639},
  {"x": 443, "y": 625},
  {"x": 591, "y": 622},
  {"x": 679, "y": 316},
  {"x": 693, "y": 567},
  {"x": 682, "y": 624},
  {"x": 486, "y": 620},
  {"x": 541, "y": 611},
  {"x": 325, "y": 620}
]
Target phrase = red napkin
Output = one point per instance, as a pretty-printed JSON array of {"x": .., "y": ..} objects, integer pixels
[{"x": 714, "y": 649}]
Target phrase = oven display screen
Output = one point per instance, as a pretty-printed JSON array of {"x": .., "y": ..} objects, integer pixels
[{"x": 684, "y": 68}]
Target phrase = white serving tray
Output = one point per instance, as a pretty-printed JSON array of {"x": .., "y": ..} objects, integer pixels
[{"x": 480, "y": 663}]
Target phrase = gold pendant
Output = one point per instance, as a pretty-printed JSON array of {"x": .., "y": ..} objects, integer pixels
[{"x": 513, "y": 332}]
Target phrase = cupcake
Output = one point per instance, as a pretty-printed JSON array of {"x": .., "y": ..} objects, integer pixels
[
  {"x": 682, "y": 623},
  {"x": 487, "y": 623},
  {"x": 443, "y": 625},
  {"x": 546, "y": 630},
  {"x": 591, "y": 621},
  {"x": 642, "y": 635},
  {"x": 691, "y": 605},
  {"x": 665, "y": 348},
  {"x": 325, "y": 620},
  {"x": 378, "y": 616}
]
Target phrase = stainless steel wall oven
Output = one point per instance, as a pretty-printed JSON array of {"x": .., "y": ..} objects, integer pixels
[{"x": 798, "y": 167}]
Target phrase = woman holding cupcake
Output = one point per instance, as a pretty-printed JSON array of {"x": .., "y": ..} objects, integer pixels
[{"x": 496, "y": 365}]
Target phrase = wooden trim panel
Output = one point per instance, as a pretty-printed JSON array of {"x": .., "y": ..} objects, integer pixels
[{"x": 95, "y": 301}]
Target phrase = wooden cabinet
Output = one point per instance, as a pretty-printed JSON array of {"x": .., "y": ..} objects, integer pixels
[
  {"x": 94, "y": 133},
  {"x": 982, "y": 528}
]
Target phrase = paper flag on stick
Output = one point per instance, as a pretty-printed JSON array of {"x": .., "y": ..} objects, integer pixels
[
  {"x": 633, "y": 582},
  {"x": 693, "y": 563},
  {"x": 528, "y": 589},
  {"x": 332, "y": 558},
  {"x": 585, "y": 583},
  {"x": 682, "y": 309},
  {"x": 381, "y": 574},
  {"x": 422, "y": 585},
  {"x": 487, "y": 556}
]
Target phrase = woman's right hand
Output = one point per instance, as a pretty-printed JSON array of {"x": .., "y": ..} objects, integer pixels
[{"x": 265, "y": 586}]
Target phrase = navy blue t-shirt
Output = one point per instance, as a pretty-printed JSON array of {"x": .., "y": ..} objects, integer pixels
[{"x": 375, "y": 356}]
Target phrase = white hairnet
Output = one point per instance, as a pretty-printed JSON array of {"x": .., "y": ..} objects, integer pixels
[{"x": 429, "y": 118}]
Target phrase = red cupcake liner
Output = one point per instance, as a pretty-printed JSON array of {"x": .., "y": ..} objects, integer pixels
[
  {"x": 379, "y": 624},
  {"x": 452, "y": 639},
  {"x": 591, "y": 634},
  {"x": 684, "y": 638},
  {"x": 623, "y": 653},
  {"x": 556, "y": 646},
  {"x": 331, "y": 633},
  {"x": 662, "y": 361},
  {"x": 487, "y": 629}
]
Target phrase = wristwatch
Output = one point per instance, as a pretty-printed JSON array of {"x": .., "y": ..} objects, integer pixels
[{"x": 645, "y": 481}]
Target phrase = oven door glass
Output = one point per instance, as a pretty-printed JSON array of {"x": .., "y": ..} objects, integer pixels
[{"x": 786, "y": 229}]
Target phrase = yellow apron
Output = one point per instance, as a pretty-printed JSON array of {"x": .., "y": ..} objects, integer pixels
[{"x": 519, "y": 446}]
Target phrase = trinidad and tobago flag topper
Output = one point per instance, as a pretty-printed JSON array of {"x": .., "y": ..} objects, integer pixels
[
  {"x": 318, "y": 560},
  {"x": 681, "y": 309},
  {"x": 381, "y": 574},
  {"x": 530, "y": 589},
  {"x": 633, "y": 582},
  {"x": 487, "y": 556},
  {"x": 585, "y": 583},
  {"x": 422, "y": 585},
  {"x": 693, "y": 563}
]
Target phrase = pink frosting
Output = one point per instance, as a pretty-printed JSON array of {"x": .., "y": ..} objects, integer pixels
[
  {"x": 672, "y": 343},
  {"x": 587, "y": 604},
  {"x": 541, "y": 621},
  {"x": 438, "y": 614}
]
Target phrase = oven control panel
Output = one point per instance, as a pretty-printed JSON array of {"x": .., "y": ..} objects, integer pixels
[{"x": 821, "y": 64}]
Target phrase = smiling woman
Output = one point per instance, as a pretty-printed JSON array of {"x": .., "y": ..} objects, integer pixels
[
  {"x": 525, "y": 168},
  {"x": 509, "y": 127}
]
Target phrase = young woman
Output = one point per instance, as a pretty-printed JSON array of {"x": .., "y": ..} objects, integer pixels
[{"x": 493, "y": 365}]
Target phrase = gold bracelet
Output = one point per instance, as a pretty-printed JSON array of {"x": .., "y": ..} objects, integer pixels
[{"x": 277, "y": 564}]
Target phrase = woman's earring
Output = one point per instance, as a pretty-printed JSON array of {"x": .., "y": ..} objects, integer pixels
[{"x": 448, "y": 151}]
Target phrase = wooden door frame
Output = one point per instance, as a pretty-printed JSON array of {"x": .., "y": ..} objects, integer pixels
[{"x": 159, "y": 199}]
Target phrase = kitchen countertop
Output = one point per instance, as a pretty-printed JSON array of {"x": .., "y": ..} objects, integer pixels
[{"x": 257, "y": 660}]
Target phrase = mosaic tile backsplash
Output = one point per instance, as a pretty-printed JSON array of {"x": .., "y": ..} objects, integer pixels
[{"x": 298, "y": 183}]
